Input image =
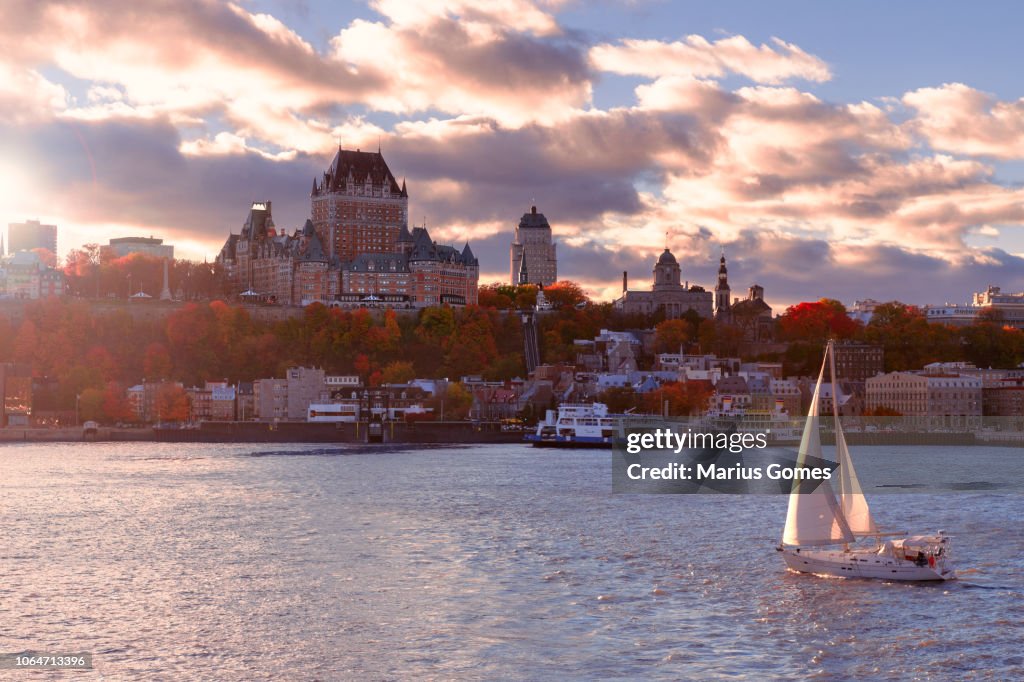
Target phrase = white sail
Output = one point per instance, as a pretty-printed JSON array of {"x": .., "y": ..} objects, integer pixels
[
  {"x": 851, "y": 498},
  {"x": 814, "y": 518}
]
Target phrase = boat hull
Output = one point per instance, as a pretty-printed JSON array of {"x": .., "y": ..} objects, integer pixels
[
  {"x": 569, "y": 442},
  {"x": 863, "y": 564}
]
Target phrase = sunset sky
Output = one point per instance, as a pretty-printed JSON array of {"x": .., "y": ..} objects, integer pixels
[{"x": 847, "y": 150}]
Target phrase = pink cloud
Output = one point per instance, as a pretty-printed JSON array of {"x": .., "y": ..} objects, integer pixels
[
  {"x": 959, "y": 119},
  {"x": 697, "y": 57}
]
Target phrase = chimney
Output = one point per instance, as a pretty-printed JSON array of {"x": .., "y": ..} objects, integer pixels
[
  {"x": 533, "y": 210},
  {"x": 624, "y": 281}
]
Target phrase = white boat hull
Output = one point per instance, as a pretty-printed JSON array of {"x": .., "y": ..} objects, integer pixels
[{"x": 864, "y": 564}]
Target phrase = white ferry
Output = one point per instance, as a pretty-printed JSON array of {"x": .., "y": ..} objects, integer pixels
[{"x": 576, "y": 425}]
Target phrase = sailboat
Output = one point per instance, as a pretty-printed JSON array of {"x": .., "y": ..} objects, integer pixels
[{"x": 823, "y": 525}]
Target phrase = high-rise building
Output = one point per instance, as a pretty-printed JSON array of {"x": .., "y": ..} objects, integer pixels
[
  {"x": 31, "y": 234},
  {"x": 532, "y": 241},
  {"x": 358, "y": 206}
]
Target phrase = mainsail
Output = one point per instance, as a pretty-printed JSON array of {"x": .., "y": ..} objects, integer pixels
[
  {"x": 816, "y": 518},
  {"x": 851, "y": 498}
]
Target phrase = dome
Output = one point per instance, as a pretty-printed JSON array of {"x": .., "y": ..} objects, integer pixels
[{"x": 667, "y": 258}]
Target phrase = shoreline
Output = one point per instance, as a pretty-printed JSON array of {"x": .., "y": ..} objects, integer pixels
[{"x": 418, "y": 433}]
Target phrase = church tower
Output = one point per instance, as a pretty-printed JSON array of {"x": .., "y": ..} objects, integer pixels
[{"x": 722, "y": 293}]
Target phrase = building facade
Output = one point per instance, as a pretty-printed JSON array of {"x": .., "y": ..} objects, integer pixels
[
  {"x": 125, "y": 246},
  {"x": 358, "y": 206},
  {"x": 261, "y": 264},
  {"x": 31, "y": 234},
  {"x": 922, "y": 395},
  {"x": 356, "y": 251},
  {"x": 23, "y": 275},
  {"x": 533, "y": 250},
  {"x": 419, "y": 272},
  {"x": 858, "y": 361},
  {"x": 667, "y": 293}
]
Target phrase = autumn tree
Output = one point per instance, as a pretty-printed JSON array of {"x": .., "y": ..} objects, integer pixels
[
  {"x": 565, "y": 293},
  {"x": 672, "y": 335},
  {"x": 171, "y": 403},
  {"x": 457, "y": 401},
  {"x": 817, "y": 322},
  {"x": 90, "y": 405},
  {"x": 678, "y": 398},
  {"x": 398, "y": 372}
]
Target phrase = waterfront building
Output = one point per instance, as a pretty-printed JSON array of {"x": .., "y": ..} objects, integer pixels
[
  {"x": 358, "y": 206},
  {"x": 29, "y": 235},
  {"x": 932, "y": 395},
  {"x": 1005, "y": 399},
  {"x": 667, "y": 293},
  {"x": 786, "y": 395},
  {"x": 533, "y": 251},
  {"x": 288, "y": 399},
  {"x": 142, "y": 398},
  {"x": 213, "y": 401}
]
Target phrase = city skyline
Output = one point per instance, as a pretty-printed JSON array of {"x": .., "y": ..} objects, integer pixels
[{"x": 823, "y": 169}]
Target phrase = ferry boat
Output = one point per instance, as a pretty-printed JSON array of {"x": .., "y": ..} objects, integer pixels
[
  {"x": 778, "y": 427},
  {"x": 576, "y": 425}
]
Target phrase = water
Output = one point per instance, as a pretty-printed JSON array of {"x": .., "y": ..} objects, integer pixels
[{"x": 309, "y": 562}]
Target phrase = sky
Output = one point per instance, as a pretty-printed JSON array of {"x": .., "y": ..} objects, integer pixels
[{"x": 841, "y": 150}]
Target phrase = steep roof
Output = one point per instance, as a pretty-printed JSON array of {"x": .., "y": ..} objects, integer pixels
[
  {"x": 422, "y": 246},
  {"x": 467, "y": 255},
  {"x": 356, "y": 166},
  {"x": 534, "y": 220},
  {"x": 259, "y": 221},
  {"x": 314, "y": 250}
]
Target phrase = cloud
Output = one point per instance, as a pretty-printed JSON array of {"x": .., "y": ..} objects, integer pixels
[
  {"x": 477, "y": 68},
  {"x": 26, "y": 96},
  {"x": 697, "y": 57},
  {"x": 486, "y": 108},
  {"x": 959, "y": 119}
]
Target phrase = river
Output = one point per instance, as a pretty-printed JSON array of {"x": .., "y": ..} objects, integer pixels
[{"x": 242, "y": 562}]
